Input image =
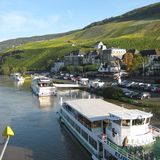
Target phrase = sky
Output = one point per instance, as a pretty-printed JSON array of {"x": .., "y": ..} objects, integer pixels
[{"x": 25, "y": 18}]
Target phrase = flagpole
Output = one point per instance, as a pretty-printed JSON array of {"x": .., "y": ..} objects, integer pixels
[
  {"x": 4, "y": 148},
  {"x": 8, "y": 132}
]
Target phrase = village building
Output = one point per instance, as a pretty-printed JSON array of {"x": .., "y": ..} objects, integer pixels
[
  {"x": 109, "y": 59},
  {"x": 75, "y": 58},
  {"x": 154, "y": 65},
  {"x": 92, "y": 57}
]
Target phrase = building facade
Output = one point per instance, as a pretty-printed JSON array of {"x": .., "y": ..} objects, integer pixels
[
  {"x": 153, "y": 65},
  {"x": 109, "y": 57},
  {"x": 111, "y": 54},
  {"x": 75, "y": 58},
  {"x": 92, "y": 57}
]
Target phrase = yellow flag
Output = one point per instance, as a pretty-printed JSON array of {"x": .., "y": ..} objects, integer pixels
[{"x": 8, "y": 132}]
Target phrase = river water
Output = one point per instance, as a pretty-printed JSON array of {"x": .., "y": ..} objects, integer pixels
[{"x": 38, "y": 134}]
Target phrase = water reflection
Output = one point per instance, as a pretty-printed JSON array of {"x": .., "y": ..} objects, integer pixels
[
  {"x": 46, "y": 103},
  {"x": 18, "y": 84},
  {"x": 75, "y": 94}
]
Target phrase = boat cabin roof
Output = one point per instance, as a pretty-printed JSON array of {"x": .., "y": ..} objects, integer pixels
[
  {"x": 93, "y": 109},
  {"x": 129, "y": 114},
  {"x": 43, "y": 79}
]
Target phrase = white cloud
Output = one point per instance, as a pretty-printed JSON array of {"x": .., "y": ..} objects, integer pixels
[
  {"x": 14, "y": 23},
  {"x": 10, "y": 20}
]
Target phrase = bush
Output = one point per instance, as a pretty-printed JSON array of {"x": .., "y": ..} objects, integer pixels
[
  {"x": 111, "y": 92},
  {"x": 90, "y": 67}
]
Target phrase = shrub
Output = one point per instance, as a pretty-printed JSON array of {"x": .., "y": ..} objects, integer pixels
[{"x": 111, "y": 92}]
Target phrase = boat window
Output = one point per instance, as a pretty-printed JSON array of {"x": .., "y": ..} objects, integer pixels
[
  {"x": 126, "y": 122},
  {"x": 117, "y": 122},
  {"x": 85, "y": 135},
  {"x": 147, "y": 120},
  {"x": 67, "y": 107},
  {"x": 84, "y": 121},
  {"x": 93, "y": 142},
  {"x": 96, "y": 124},
  {"x": 138, "y": 121},
  {"x": 106, "y": 123},
  {"x": 107, "y": 155},
  {"x": 77, "y": 128},
  {"x": 109, "y": 124}
]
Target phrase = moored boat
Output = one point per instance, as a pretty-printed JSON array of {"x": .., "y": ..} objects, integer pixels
[
  {"x": 43, "y": 86},
  {"x": 17, "y": 77},
  {"x": 107, "y": 130}
]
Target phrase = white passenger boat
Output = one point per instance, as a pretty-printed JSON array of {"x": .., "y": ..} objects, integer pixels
[
  {"x": 108, "y": 131},
  {"x": 43, "y": 86}
]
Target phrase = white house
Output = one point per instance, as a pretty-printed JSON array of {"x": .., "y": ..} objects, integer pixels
[
  {"x": 100, "y": 45},
  {"x": 112, "y": 68}
]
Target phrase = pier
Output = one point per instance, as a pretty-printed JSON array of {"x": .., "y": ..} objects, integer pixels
[{"x": 67, "y": 85}]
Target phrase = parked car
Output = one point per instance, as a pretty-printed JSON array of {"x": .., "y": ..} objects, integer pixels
[
  {"x": 143, "y": 95},
  {"x": 83, "y": 81},
  {"x": 156, "y": 89},
  {"x": 97, "y": 83}
]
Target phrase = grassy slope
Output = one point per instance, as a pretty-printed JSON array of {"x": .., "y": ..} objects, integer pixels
[{"x": 139, "y": 34}]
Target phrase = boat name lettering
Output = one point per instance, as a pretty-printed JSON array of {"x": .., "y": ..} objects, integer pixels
[{"x": 119, "y": 156}]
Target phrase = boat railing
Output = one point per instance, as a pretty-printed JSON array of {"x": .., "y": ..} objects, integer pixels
[
  {"x": 120, "y": 150},
  {"x": 155, "y": 130}
]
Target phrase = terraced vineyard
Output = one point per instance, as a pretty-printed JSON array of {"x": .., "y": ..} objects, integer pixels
[{"x": 138, "y": 29}]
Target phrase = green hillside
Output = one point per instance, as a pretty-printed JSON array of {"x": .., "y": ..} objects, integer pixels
[{"x": 139, "y": 29}]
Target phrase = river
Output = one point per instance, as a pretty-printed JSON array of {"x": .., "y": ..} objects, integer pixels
[{"x": 38, "y": 134}]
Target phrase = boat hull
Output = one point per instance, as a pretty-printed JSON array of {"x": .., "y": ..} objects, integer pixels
[
  {"x": 77, "y": 136},
  {"x": 45, "y": 91}
]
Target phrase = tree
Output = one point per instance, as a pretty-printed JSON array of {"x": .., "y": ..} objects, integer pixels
[
  {"x": 79, "y": 69},
  {"x": 128, "y": 61},
  {"x": 13, "y": 69},
  {"x": 23, "y": 70},
  {"x": 139, "y": 63},
  {"x": 49, "y": 63},
  {"x": 70, "y": 68},
  {"x": 5, "y": 70}
]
